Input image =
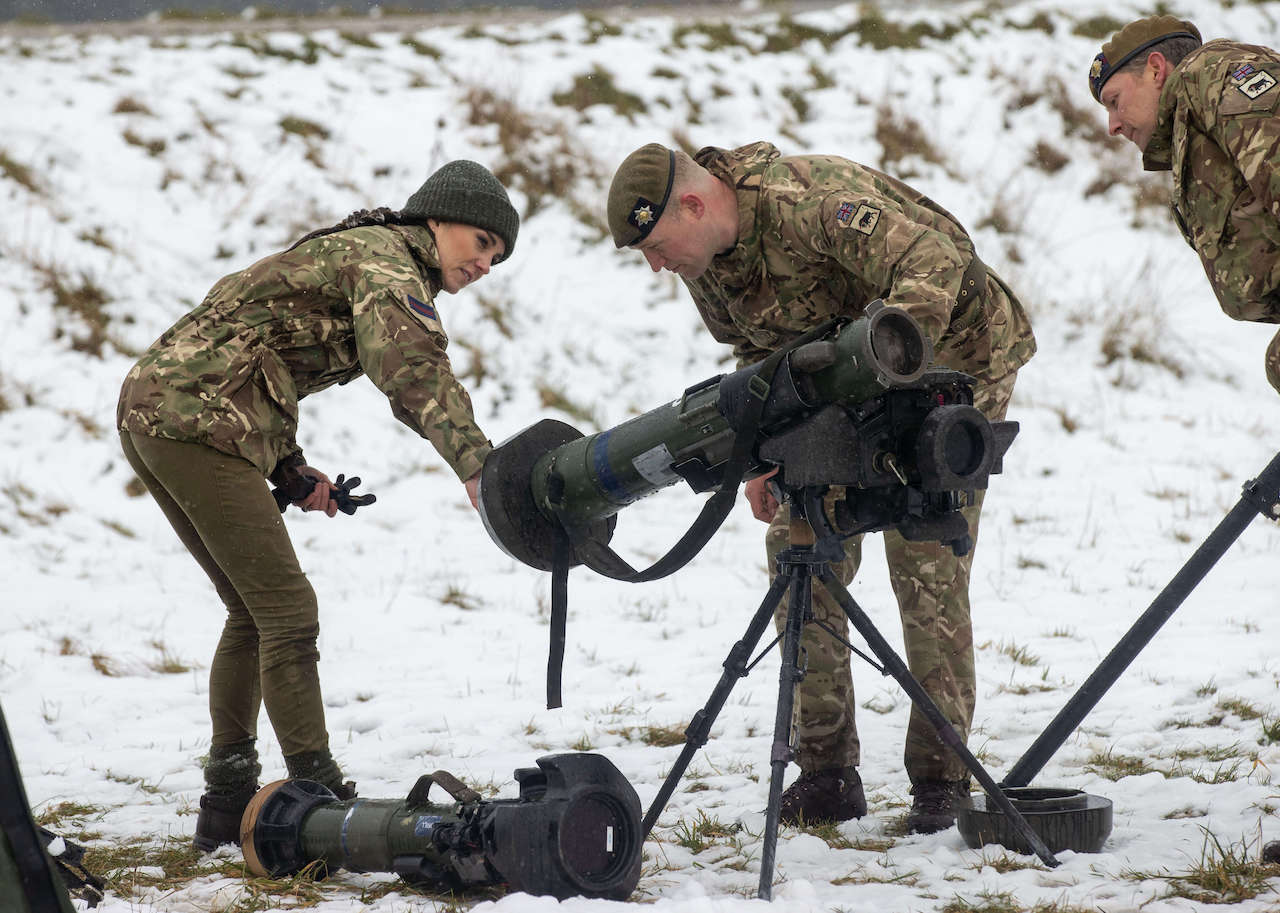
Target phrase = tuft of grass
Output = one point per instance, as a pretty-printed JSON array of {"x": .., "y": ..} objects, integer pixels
[
  {"x": 1049, "y": 158},
  {"x": 1224, "y": 874},
  {"x": 1005, "y": 863},
  {"x": 153, "y": 147},
  {"x": 457, "y": 597},
  {"x": 598, "y": 88},
  {"x": 1239, "y": 707},
  {"x": 708, "y": 36},
  {"x": 909, "y": 878},
  {"x": 1123, "y": 338},
  {"x": 19, "y": 173},
  {"x": 79, "y": 297},
  {"x": 104, "y": 665},
  {"x": 169, "y": 662},
  {"x": 68, "y": 815},
  {"x": 986, "y": 902},
  {"x": 702, "y": 832},
  {"x": 259, "y": 46},
  {"x": 1020, "y": 655},
  {"x": 1087, "y": 123},
  {"x": 552, "y": 398},
  {"x": 97, "y": 237},
  {"x": 829, "y": 832},
  {"x": 798, "y": 102},
  {"x": 1039, "y": 22},
  {"x": 300, "y": 126},
  {"x": 901, "y": 136},
  {"x": 359, "y": 39},
  {"x": 130, "y": 105},
  {"x": 539, "y": 158},
  {"x": 418, "y": 47},
  {"x": 119, "y": 528},
  {"x": 1114, "y": 766},
  {"x": 663, "y": 736},
  {"x": 1270, "y": 730},
  {"x": 874, "y": 30},
  {"x": 600, "y": 27},
  {"x": 1097, "y": 27}
]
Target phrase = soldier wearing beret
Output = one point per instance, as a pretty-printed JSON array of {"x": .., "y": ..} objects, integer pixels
[
  {"x": 770, "y": 246},
  {"x": 210, "y": 412},
  {"x": 1207, "y": 112}
]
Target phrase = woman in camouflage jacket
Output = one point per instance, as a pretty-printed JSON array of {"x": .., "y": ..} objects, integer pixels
[{"x": 210, "y": 412}]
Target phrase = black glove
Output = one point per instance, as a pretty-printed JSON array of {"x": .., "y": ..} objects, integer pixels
[
  {"x": 347, "y": 502},
  {"x": 291, "y": 485},
  {"x": 296, "y": 486}
]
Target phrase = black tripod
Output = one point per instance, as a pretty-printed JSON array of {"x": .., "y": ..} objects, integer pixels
[{"x": 807, "y": 557}]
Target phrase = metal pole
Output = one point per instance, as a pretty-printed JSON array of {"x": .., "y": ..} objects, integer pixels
[{"x": 1260, "y": 497}]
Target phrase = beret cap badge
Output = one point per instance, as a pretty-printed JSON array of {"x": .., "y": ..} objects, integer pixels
[{"x": 642, "y": 214}]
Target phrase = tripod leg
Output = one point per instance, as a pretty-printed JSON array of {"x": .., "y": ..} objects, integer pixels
[
  {"x": 735, "y": 667},
  {"x": 894, "y": 665},
  {"x": 782, "y": 753}
]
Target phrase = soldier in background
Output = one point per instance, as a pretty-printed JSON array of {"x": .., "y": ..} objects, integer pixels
[
  {"x": 210, "y": 412},
  {"x": 770, "y": 247},
  {"x": 1207, "y": 112}
]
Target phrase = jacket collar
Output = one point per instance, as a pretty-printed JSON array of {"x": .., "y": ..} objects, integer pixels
[
  {"x": 743, "y": 170},
  {"x": 422, "y": 244}
]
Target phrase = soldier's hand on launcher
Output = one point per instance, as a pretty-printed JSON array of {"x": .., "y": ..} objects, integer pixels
[{"x": 759, "y": 494}]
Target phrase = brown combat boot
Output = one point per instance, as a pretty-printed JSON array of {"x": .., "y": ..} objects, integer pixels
[
  {"x": 219, "y": 821},
  {"x": 933, "y": 805},
  {"x": 834, "y": 794}
]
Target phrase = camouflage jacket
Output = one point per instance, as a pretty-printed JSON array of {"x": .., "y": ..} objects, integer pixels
[
  {"x": 1217, "y": 131},
  {"x": 231, "y": 372},
  {"x": 822, "y": 237}
]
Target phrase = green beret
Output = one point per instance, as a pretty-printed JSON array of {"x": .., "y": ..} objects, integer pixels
[
  {"x": 639, "y": 193},
  {"x": 1131, "y": 41}
]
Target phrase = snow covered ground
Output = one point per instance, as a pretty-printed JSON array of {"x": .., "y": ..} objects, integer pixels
[{"x": 136, "y": 171}]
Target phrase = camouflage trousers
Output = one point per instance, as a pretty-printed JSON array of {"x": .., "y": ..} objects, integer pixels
[
  {"x": 932, "y": 589},
  {"x": 222, "y": 510},
  {"x": 1273, "y": 362}
]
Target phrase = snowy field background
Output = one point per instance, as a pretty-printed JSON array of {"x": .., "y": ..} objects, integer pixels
[{"x": 134, "y": 172}]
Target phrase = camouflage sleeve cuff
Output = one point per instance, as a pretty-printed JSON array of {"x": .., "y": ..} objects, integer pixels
[
  {"x": 468, "y": 462},
  {"x": 291, "y": 460}
]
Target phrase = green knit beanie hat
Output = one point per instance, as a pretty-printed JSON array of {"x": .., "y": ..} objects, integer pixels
[{"x": 466, "y": 192}]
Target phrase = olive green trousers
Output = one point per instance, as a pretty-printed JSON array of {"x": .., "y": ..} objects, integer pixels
[
  {"x": 932, "y": 588},
  {"x": 223, "y": 511}
]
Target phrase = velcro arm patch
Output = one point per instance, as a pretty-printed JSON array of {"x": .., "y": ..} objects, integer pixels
[{"x": 425, "y": 312}]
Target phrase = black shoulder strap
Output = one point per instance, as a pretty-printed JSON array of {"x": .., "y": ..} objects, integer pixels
[{"x": 605, "y": 561}]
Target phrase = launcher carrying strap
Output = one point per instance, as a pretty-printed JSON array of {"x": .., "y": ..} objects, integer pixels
[
  {"x": 460, "y": 791},
  {"x": 605, "y": 561}
]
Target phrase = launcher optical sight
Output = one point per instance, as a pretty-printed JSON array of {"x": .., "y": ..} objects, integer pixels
[
  {"x": 858, "y": 407},
  {"x": 574, "y": 831}
]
